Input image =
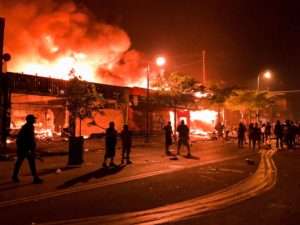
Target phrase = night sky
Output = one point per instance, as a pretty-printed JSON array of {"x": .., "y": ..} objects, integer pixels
[{"x": 241, "y": 38}]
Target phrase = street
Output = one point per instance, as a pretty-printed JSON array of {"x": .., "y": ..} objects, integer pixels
[{"x": 215, "y": 186}]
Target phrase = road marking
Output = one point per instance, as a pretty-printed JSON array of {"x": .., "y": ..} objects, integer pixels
[
  {"x": 111, "y": 182},
  {"x": 263, "y": 180}
]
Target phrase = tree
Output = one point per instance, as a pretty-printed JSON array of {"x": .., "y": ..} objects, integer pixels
[
  {"x": 82, "y": 101},
  {"x": 217, "y": 96},
  {"x": 174, "y": 90},
  {"x": 247, "y": 101}
]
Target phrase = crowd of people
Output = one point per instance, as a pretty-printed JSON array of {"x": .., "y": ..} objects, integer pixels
[
  {"x": 286, "y": 134},
  {"x": 255, "y": 135}
]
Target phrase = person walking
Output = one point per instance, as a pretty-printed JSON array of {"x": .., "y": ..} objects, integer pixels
[
  {"x": 168, "y": 137},
  {"x": 183, "y": 139},
  {"x": 126, "y": 138},
  {"x": 26, "y": 148},
  {"x": 110, "y": 145}
]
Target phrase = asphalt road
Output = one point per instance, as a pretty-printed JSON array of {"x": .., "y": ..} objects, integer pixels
[{"x": 215, "y": 186}]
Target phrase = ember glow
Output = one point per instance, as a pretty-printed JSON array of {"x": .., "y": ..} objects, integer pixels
[
  {"x": 207, "y": 116},
  {"x": 51, "y": 38},
  {"x": 201, "y": 122}
]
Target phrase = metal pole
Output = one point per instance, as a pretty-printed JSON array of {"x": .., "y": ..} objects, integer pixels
[
  {"x": 203, "y": 68},
  {"x": 147, "y": 113},
  {"x": 257, "y": 90},
  {"x": 4, "y": 90}
]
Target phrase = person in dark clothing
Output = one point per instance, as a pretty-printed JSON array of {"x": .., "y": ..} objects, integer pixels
[
  {"x": 288, "y": 134},
  {"x": 241, "y": 135},
  {"x": 278, "y": 131},
  {"x": 256, "y": 136},
  {"x": 293, "y": 134},
  {"x": 250, "y": 134},
  {"x": 126, "y": 138},
  {"x": 220, "y": 128},
  {"x": 183, "y": 139},
  {"x": 268, "y": 134},
  {"x": 26, "y": 148},
  {"x": 110, "y": 144},
  {"x": 168, "y": 137}
]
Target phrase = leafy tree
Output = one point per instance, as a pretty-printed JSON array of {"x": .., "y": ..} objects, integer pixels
[
  {"x": 82, "y": 101},
  {"x": 174, "y": 90},
  {"x": 217, "y": 96},
  {"x": 249, "y": 100}
]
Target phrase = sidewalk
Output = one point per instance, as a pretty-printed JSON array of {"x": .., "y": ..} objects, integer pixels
[{"x": 148, "y": 160}]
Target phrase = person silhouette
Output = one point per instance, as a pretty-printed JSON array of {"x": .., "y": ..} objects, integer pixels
[
  {"x": 183, "y": 131},
  {"x": 26, "y": 148},
  {"x": 110, "y": 144},
  {"x": 126, "y": 137},
  {"x": 168, "y": 137}
]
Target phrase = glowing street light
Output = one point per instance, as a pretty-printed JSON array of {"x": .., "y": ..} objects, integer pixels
[
  {"x": 266, "y": 74},
  {"x": 160, "y": 61}
]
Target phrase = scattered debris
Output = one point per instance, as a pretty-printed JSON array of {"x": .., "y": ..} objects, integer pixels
[
  {"x": 58, "y": 171},
  {"x": 250, "y": 161}
]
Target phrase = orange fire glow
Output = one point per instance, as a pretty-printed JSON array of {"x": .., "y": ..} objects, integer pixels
[
  {"x": 50, "y": 38},
  {"x": 201, "y": 122},
  {"x": 207, "y": 116}
]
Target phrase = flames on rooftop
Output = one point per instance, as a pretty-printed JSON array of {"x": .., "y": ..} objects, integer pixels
[{"x": 51, "y": 38}]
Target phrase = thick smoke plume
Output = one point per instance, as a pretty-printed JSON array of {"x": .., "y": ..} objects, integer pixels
[{"x": 49, "y": 38}]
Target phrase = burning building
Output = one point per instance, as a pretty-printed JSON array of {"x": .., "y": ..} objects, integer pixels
[
  {"x": 53, "y": 38},
  {"x": 44, "y": 97}
]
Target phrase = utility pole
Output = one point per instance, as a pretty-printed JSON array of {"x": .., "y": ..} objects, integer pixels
[
  {"x": 2, "y": 122},
  {"x": 203, "y": 68},
  {"x": 4, "y": 95}
]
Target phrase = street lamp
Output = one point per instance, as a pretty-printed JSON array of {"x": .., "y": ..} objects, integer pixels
[
  {"x": 265, "y": 74},
  {"x": 160, "y": 61}
]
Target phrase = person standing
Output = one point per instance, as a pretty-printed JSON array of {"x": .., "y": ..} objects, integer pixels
[
  {"x": 250, "y": 134},
  {"x": 126, "y": 137},
  {"x": 278, "y": 131},
  {"x": 220, "y": 128},
  {"x": 241, "y": 135},
  {"x": 183, "y": 139},
  {"x": 168, "y": 137},
  {"x": 256, "y": 136},
  {"x": 110, "y": 144},
  {"x": 268, "y": 134},
  {"x": 26, "y": 147}
]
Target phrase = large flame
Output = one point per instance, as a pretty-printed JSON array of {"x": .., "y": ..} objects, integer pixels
[
  {"x": 50, "y": 38},
  {"x": 202, "y": 122}
]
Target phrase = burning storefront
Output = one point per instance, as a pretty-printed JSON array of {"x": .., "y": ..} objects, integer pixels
[{"x": 125, "y": 106}]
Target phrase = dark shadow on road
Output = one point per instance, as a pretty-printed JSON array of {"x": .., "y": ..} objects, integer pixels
[
  {"x": 95, "y": 174},
  {"x": 191, "y": 157}
]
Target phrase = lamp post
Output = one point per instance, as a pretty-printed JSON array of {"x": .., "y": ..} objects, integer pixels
[
  {"x": 160, "y": 61},
  {"x": 266, "y": 74}
]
